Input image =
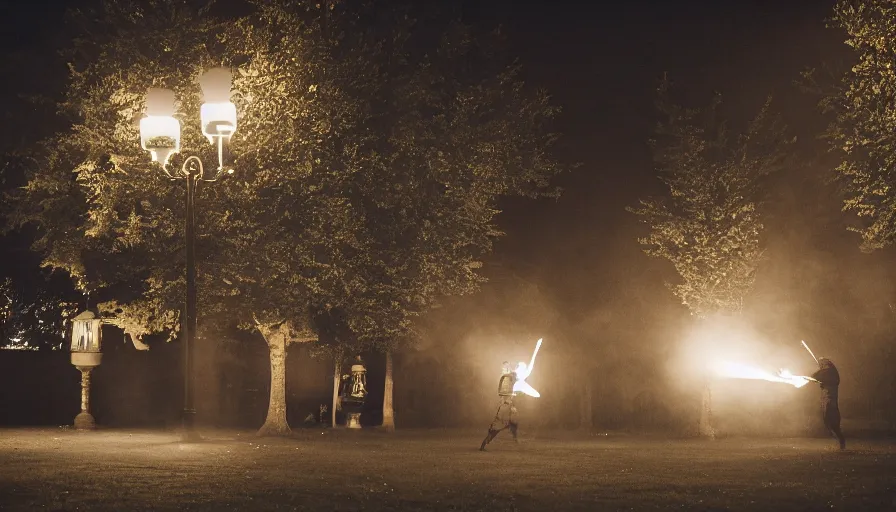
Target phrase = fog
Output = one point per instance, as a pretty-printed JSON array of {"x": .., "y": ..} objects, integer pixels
[{"x": 602, "y": 306}]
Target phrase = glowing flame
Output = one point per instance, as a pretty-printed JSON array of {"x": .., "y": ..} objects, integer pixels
[
  {"x": 798, "y": 381},
  {"x": 743, "y": 371},
  {"x": 522, "y": 386},
  {"x": 523, "y": 371}
]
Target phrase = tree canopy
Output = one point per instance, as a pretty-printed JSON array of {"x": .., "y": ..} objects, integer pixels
[
  {"x": 708, "y": 225},
  {"x": 367, "y": 170},
  {"x": 862, "y": 131},
  {"x": 34, "y": 317}
]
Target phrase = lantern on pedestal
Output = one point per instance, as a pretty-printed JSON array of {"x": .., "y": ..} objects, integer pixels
[
  {"x": 86, "y": 355},
  {"x": 354, "y": 394}
]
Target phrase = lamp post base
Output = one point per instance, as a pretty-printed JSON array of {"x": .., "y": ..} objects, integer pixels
[
  {"x": 354, "y": 420},
  {"x": 85, "y": 421}
]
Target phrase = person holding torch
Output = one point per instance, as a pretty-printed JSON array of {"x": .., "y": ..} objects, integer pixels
[
  {"x": 828, "y": 378},
  {"x": 510, "y": 382}
]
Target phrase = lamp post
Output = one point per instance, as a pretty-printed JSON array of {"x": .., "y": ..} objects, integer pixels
[
  {"x": 86, "y": 355},
  {"x": 160, "y": 135}
]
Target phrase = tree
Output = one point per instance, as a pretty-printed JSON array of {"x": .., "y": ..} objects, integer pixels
[
  {"x": 463, "y": 131},
  {"x": 335, "y": 342},
  {"x": 862, "y": 131},
  {"x": 406, "y": 156},
  {"x": 388, "y": 410},
  {"x": 709, "y": 225},
  {"x": 109, "y": 218},
  {"x": 104, "y": 215},
  {"x": 366, "y": 181},
  {"x": 35, "y": 317}
]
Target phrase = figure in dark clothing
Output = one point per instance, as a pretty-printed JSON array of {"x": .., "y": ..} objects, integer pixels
[
  {"x": 829, "y": 379},
  {"x": 505, "y": 417}
]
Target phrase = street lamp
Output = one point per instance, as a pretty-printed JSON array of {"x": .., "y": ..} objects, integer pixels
[{"x": 160, "y": 135}]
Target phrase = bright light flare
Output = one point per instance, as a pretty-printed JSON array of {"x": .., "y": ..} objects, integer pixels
[
  {"x": 218, "y": 114},
  {"x": 160, "y": 102},
  {"x": 218, "y": 120},
  {"x": 160, "y": 135},
  {"x": 798, "y": 381},
  {"x": 159, "y": 130},
  {"x": 810, "y": 351},
  {"x": 522, "y": 373},
  {"x": 731, "y": 370},
  {"x": 524, "y": 387},
  {"x": 216, "y": 84}
]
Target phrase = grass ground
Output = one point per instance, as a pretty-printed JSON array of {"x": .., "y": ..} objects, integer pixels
[{"x": 61, "y": 469}]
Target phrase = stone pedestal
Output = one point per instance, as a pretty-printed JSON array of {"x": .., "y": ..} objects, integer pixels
[
  {"x": 354, "y": 420},
  {"x": 84, "y": 421},
  {"x": 85, "y": 362}
]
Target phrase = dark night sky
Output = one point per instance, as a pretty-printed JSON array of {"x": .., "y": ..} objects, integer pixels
[
  {"x": 602, "y": 65},
  {"x": 601, "y": 62}
]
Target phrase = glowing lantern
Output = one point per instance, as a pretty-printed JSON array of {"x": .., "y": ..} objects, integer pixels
[
  {"x": 86, "y": 338},
  {"x": 159, "y": 130},
  {"x": 86, "y": 355},
  {"x": 218, "y": 114},
  {"x": 359, "y": 380},
  {"x": 354, "y": 394}
]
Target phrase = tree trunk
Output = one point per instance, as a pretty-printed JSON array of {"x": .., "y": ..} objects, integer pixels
[
  {"x": 275, "y": 424},
  {"x": 388, "y": 413},
  {"x": 705, "y": 426},
  {"x": 337, "y": 374},
  {"x": 586, "y": 415}
]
